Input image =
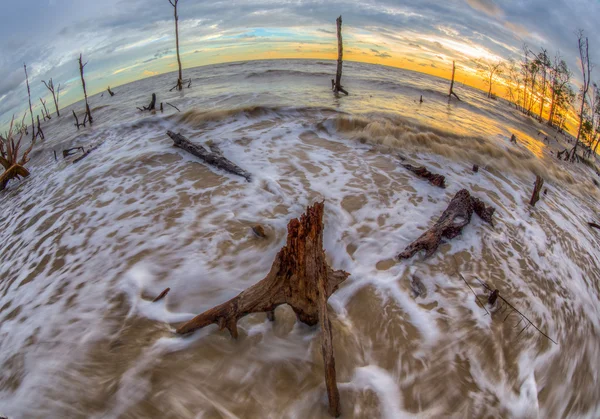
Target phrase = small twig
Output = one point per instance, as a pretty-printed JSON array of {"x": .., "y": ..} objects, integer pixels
[
  {"x": 162, "y": 295},
  {"x": 463, "y": 278}
]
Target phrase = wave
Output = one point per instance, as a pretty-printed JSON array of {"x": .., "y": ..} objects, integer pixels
[
  {"x": 397, "y": 134},
  {"x": 280, "y": 72}
]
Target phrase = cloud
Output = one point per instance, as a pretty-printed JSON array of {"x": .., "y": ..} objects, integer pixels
[
  {"x": 486, "y": 6},
  {"x": 326, "y": 31}
]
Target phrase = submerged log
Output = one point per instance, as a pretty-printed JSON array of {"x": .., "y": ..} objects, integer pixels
[
  {"x": 212, "y": 158},
  {"x": 450, "y": 224},
  {"x": 537, "y": 187},
  {"x": 338, "y": 74},
  {"x": 299, "y": 277},
  {"x": 422, "y": 172}
]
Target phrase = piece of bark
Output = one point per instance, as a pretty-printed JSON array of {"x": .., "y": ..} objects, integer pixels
[
  {"x": 214, "y": 159},
  {"x": 422, "y": 172},
  {"x": 535, "y": 196},
  {"x": 299, "y": 277},
  {"x": 162, "y": 295},
  {"x": 450, "y": 224}
]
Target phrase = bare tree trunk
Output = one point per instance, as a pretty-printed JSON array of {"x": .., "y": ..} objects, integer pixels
[
  {"x": 45, "y": 113},
  {"x": 586, "y": 71},
  {"x": 338, "y": 74},
  {"x": 180, "y": 78},
  {"x": 87, "y": 106},
  {"x": 40, "y": 133},
  {"x": 490, "y": 91},
  {"x": 30, "y": 108},
  {"x": 451, "y": 92}
]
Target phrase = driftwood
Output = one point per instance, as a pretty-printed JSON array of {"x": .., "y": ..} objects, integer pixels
[
  {"x": 173, "y": 106},
  {"x": 161, "y": 108},
  {"x": 162, "y": 295},
  {"x": 77, "y": 124},
  {"x": 39, "y": 133},
  {"x": 30, "y": 108},
  {"x": 151, "y": 106},
  {"x": 86, "y": 153},
  {"x": 211, "y": 157},
  {"x": 537, "y": 187},
  {"x": 110, "y": 92},
  {"x": 451, "y": 92},
  {"x": 337, "y": 86},
  {"x": 594, "y": 225},
  {"x": 450, "y": 224},
  {"x": 475, "y": 168},
  {"x": 45, "y": 113},
  {"x": 70, "y": 151},
  {"x": 299, "y": 277},
  {"x": 88, "y": 112},
  {"x": 422, "y": 172},
  {"x": 14, "y": 168},
  {"x": 513, "y": 139}
]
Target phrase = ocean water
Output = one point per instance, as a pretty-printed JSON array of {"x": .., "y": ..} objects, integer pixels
[{"x": 87, "y": 246}]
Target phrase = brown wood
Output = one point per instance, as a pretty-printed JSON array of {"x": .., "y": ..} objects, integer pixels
[
  {"x": 213, "y": 158},
  {"x": 88, "y": 112},
  {"x": 162, "y": 295},
  {"x": 338, "y": 74},
  {"x": 9, "y": 155},
  {"x": 422, "y": 172},
  {"x": 299, "y": 277},
  {"x": 594, "y": 225},
  {"x": 537, "y": 187},
  {"x": 451, "y": 93},
  {"x": 450, "y": 224}
]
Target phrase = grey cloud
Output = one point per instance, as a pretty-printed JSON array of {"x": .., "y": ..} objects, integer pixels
[{"x": 485, "y": 6}]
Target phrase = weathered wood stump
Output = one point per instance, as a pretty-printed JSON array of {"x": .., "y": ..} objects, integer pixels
[
  {"x": 537, "y": 187},
  {"x": 450, "y": 224},
  {"x": 422, "y": 172},
  {"x": 337, "y": 85},
  {"x": 213, "y": 158},
  {"x": 299, "y": 277}
]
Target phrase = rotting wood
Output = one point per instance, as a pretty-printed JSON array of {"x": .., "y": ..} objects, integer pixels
[
  {"x": 537, "y": 187},
  {"x": 212, "y": 158},
  {"x": 70, "y": 151},
  {"x": 338, "y": 74},
  {"x": 299, "y": 277},
  {"x": 451, "y": 92},
  {"x": 86, "y": 153},
  {"x": 450, "y": 224},
  {"x": 422, "y": 172},
  {"x": 162, "y": 295},
  {"x": 77, "y": 124},
  {"x": 9, "y": 154}
]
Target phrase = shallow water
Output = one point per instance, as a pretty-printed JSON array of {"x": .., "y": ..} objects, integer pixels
[{"x": 86, "y": 247}]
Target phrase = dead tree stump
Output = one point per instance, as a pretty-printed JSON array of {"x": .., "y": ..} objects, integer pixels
[
  {"x": 152, "y": 106},
  {"x": 450, "y": 224},
  {"x": 299, "y": 277},
  {"x": 537, "y": 187}
]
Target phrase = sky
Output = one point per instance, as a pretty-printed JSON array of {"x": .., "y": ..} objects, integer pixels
[{"x": 126, "y": 40}]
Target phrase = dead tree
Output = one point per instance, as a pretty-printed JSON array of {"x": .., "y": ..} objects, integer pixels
[
  {"x": 14, "y": 168},
  {"x": 451, "y": 92},
  {"x": 180, "y": 78},
  {"x": 55, "y": 93},
  {"x": 537, "y": 187},
  {"x": 77, "y": 124},
  {"x": 422, "y": 172},
  {"x": 45, "y": 113},
  {"x": 110, "y": 92},
  {"x": 213, "y": 157},
  {"x": 586, "y": 70},
  {"x": 161, "y": 108},
  {"x": 337, "y": 86},
  {"x": 151, "y": 107},
  {"x": 30, "y": 108},
  {"x": 450, "y": 224},
  {"x": 87, "y": 105},
  {"x": 40, "y": 133},
  {"x": 299, "y": 277}
]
